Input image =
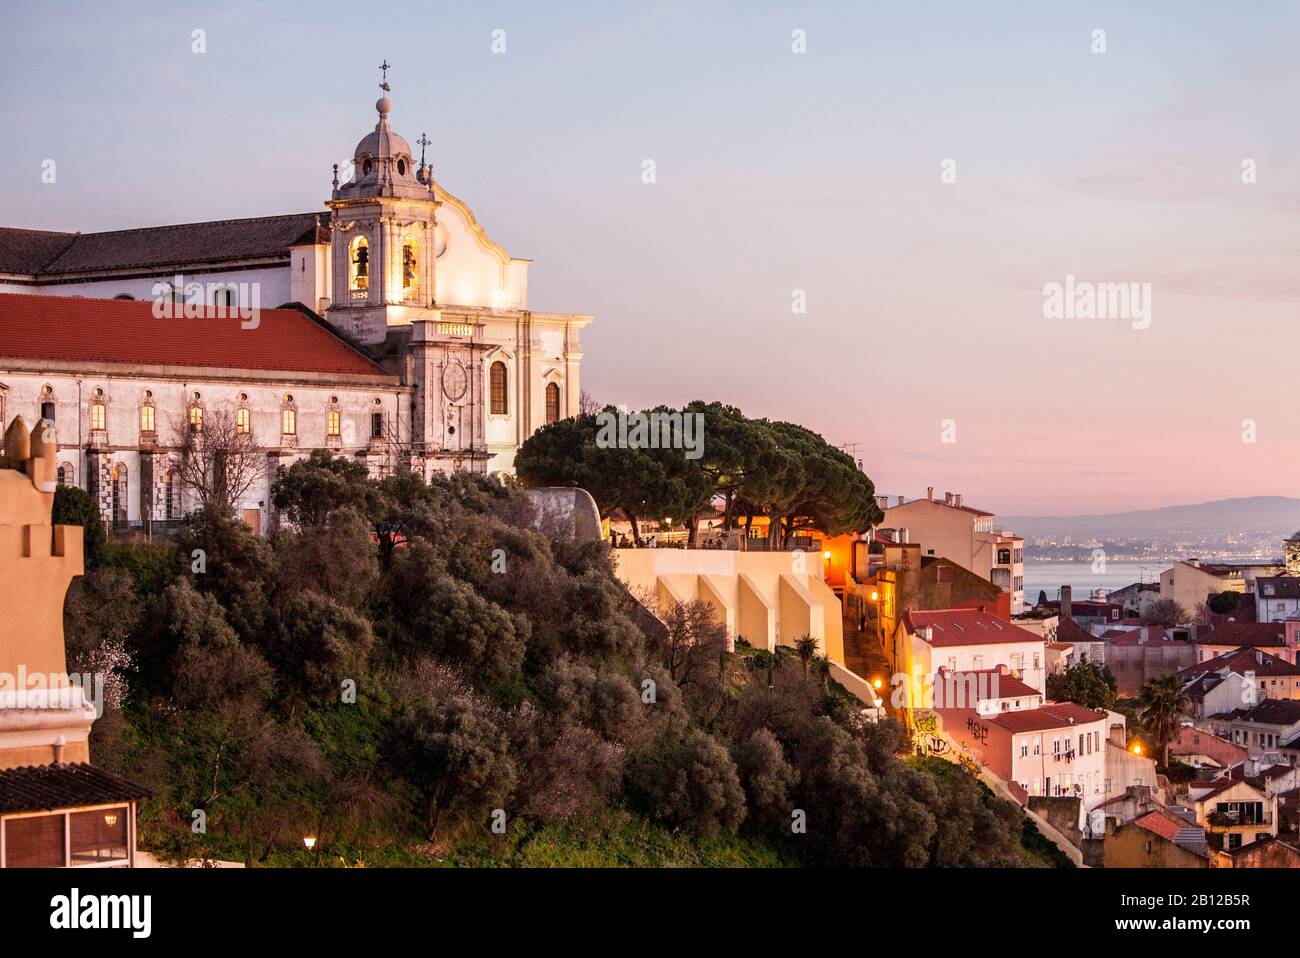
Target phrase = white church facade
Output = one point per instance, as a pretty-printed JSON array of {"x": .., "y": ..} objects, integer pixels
[{"x": 404, "y": 338}]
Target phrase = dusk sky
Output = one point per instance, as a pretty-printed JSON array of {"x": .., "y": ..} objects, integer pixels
[{"x": 777, "y": 171}]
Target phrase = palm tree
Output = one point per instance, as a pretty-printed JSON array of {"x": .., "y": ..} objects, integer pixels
[
  {"x": 763, "y": 660},
  {"x": 1161, "y": 708},
  {"x": 806, "y": 648},
  {"x": 822, "y": 669}
]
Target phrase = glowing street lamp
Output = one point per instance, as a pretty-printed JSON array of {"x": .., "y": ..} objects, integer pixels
[{"x": 309, "y": 841}]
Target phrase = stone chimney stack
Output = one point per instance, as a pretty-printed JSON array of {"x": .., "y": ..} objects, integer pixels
[
  {"x": 929, "y": 493},
  {"x": 947, "y": 498},
  {"x": 956, "y": 500},
  {"x": 1067, "y": 595}
]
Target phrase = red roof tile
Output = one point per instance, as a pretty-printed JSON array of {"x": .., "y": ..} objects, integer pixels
[
  {"x": 966, "y": 627},
  {"x": 92, "y": 331},
  {"x": 1050, "y": 716},
  {"x": 997, "y": 683},
  {"x": 1245, "y": 633},
  {"x": 1241, "y": 661},
  {"x": 1155, "y": 822}
]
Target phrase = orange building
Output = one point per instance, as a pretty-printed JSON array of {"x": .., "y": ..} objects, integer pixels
[{"x": 55, "y": 808}]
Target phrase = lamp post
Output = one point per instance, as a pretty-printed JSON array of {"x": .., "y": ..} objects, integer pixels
[{"x": 310, "y": 842}]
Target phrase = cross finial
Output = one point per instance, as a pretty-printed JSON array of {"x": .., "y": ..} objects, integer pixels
[
  {"x": 423, "y": 141},
  {"x": 384, "y": 68}
]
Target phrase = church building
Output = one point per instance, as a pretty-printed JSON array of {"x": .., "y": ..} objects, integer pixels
[{"x": 386, "y": 326}]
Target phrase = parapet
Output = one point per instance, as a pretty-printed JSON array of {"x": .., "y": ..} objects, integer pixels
[{"x": 37, "y": 558}]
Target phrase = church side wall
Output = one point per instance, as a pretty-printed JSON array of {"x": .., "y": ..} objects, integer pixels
[
  {"x": 273, "y": 286},
  {"x": 91, "y": 457}
]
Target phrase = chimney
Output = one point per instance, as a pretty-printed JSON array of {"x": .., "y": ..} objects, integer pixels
[
  {"x": 901, "y": 500},
  {"x": 1067, "y": 608},
  {"x": 929, "y": 493},
  {"x": 947, "y": 498},
  {"x": 956, "y": 500}
]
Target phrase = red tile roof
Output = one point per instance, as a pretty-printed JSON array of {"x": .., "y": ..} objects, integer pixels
[
  {"x": 1245, "y": 634},
  {"x": 1050, "y": 716},
  {"x": 1162, "y": 826},
  {"x": 1067, "y": 630},
  {"x": 997, "y": 683},
  {"x": 966, "y": 627},
  {"x": 1241, "y": 661},
  {"x": 1154, "y": 633},
  {"x": 82, "y": 331}
]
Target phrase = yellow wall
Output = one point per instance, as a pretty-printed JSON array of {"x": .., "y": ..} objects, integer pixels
[
  {"x": 765, "y": 597},
  {"x": 37, "y": 562}
]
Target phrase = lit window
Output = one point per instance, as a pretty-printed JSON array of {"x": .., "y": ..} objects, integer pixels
[
  {"x": 196, "y": 419},
  {"x": 359, "y": 264},
  {"x": 243, "y": 421},
  {"x": 146, "y": 418},
  {"x": 497, "y": 380},
  {"x": 289, "y": 422},
  {"x": 334, "y": 421},
  {"x": 98, "y": 416},
  {"x": 410, "y": 272}
]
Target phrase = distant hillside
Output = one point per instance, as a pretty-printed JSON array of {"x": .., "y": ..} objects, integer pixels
[{"x": 1277, "y": 514}]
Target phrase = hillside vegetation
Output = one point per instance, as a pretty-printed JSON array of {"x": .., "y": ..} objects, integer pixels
[{"x": 415, "y": 676}]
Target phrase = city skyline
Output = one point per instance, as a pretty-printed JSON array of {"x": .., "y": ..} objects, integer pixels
[{"x": 778, "y": 172}]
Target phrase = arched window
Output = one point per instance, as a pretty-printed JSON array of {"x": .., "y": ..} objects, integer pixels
[
  {"x": 147, "y": 420},
  {"x": 98, "y": 416},
  {"x": 196, "y": 418},
  {"x": 410, "y": 269},
  {"x": 289, "y": 421},
  {"x": 243, "y": 420},
  {"x": 172, "y": 492},
  {"x": 552, "y": 403},
  {"x": 359, "y": 264},
  {"x": 497, "y": 387},
  {"x": 65, "y": 474},
  {"x": 119, "y": 495}
]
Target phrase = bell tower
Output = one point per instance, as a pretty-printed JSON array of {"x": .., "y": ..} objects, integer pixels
[{"x": 383, "y": 224}]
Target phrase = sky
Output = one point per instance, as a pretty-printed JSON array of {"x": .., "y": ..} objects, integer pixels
[{"x": 779, "y": 176}]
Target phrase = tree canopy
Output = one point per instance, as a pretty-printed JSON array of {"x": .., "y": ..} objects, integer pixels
[{"x": 753, "y": 467}]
